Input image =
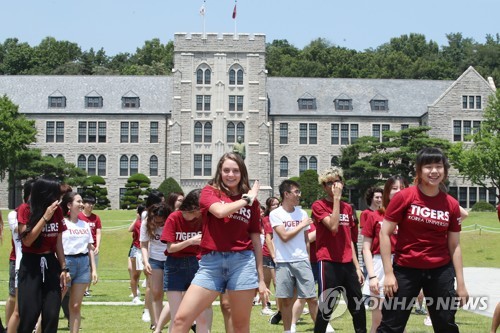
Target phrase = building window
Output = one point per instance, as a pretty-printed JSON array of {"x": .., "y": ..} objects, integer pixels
[
  {"x": 239, "y": 103},
  {"x": 54, "y": 134},
  {"x": 240, "y": 131},
  {"x": 462, "y": 196},
  {"x": 308, "y": 133},
  {"x": 303, "y": 134},
  {"x": 302, "y": 165},
  {"x": 101, "y": 165},
  {"x": 203, "y": 132},
  {"x": 203, "y": 76},
  {"x": 492, "y": 198},
  {"x": 153, "y": 132},
  {"x": 153, "y": 166},
  {"x": 82, "y": 131},
  {"x": 93, "y": 102},
  {"x": 482, "y": 194},
  {"x": 91, "y": 166},
  {"x": 232, "y": 103},
  {"x": 129, "y": 132},
  {"x": 203, "y": 102},
  {"x": 207, "y": 134},
  {"x": 121, "y": 195},
  {"x": 335, "y": 161},
  {"x": 236, "y": 77},
  {"x": 235, "y": 103},
  {"x": 102, "y": 131},
  {"x": 283, "y": 166},
  {"x": 208, "y": 76},
  {"x": 404, "y": 126},
  {"x": 334, "y": 134},
  {"x": 49, "y": 131},
  {"x": 198, "y": 129},
  {"x": 92, "y": 131},
  {"x": 307, "y": 103},
  {"x": 232, "y": 77},
  {"x": 57, "y": 102},
  {"x": 199, "y": 76},
  {"x": 377, "y": 130},
  {"x": 354, "y": 133},
  {"x": 471, "y": 102},
  {"x": 343, "y": 104},
  {"x": 379, "y": 105},
  {"x": 343, "y": 133},
  {"x": 82, "y": 162},
  {"x": 385, "y": 127},
  {"x": 284, "y": 133},
  {"x": 134, "y": 165},
  {"x": 462, "y": 130},
  {"x": 202, "y": 165},
  {"x": 124, "y": 165},
  {"x": 230, "y": 136},
  {"x": 313, "y": 163},
  {"x": 131, "y": 102},
  {"x": 239, "y": 77},
  {"x": 472, "y": 196}
]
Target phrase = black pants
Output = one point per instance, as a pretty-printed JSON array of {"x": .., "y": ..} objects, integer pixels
[
  {"x": 39, "y": 293},
  {"x": 335, "y": 278},
  {"x": 439, "y": 292}
]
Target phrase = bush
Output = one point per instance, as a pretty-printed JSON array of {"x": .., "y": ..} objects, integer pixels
[
  {"x": 168, "y": 186},
  {"x": 483, "y": 206}
]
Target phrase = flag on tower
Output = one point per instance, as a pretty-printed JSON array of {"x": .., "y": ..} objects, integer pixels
[
  {"x": 202, "y": 9},
  {"x": 234, "y": 11}
]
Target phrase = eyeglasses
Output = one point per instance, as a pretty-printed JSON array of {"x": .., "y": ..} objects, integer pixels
[{"x": 298, "y": 192}]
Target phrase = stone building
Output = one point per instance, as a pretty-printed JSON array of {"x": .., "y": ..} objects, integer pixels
[{"x": 178, "y": 126}]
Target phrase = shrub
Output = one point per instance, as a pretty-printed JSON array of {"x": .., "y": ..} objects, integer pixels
[{"x": 483, "y": 206}]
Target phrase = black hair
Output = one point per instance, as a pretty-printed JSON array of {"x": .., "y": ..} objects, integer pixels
[
  {"x": 28, "y": 185},
  {"x": 286, "y": 186},
  {"x": 191, "y": 201},
  {"x": 269, "y": 202},
  {"x": 67, "y": 198},
  {"x": 154, "y": 197},
  {"x": 172, "y": 198},
  {"x": 370, "y": 193},
  {"x": 89, "y": 199},
  {"x": 430, "y": 155},
  {"x": 140, "y": 209}
]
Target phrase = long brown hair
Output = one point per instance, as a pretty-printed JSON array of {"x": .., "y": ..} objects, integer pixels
[
  {"x": 388, "y": 187},
  {"x": 243, "y": 186},
  {"x": 159, "y": 209}
]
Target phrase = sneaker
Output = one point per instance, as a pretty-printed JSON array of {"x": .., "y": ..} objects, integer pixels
[
  {"x": 87, "y": 294},
  {"x": 329, "y": 329},
  {"x": 146, "y": 317},
  {"x": 305, "y": 311},
  {"x": 268, "y": 305},
  {"x": 136, "y": 300},
  {"x": 256, "y": 300},
  {"x": 193, "y": 328},
  {"x": 293, "y": 328},
  {"x": 152, "y": 327},
  {"x": 144, "y": 283},
  {"x": 421, "y": 311},
  {"x": 427, "y": 321},
  {"x": 266, "y": 312},
  {"x": 275, "y": 318}
]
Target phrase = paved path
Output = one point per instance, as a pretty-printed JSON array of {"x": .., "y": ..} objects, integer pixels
[{"x": 481, "y": 282}]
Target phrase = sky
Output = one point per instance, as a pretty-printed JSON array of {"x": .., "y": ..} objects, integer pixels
[{"x": 124, "y": 26}]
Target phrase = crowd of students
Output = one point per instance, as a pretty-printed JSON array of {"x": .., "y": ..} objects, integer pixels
[{"x": 219, "y": 242}]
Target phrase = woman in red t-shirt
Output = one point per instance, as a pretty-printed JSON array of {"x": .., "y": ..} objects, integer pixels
[
  {"x": 427, "y": 251},
  {"x": 231, "y": 230},
  {"x": 135, "y": 266},
  {"x": 42, "y": 275},
  {"x": 374, "y": 280}
]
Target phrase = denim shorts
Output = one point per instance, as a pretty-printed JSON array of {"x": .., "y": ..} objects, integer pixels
[
  {"x": 157, "y": 264},
  {"x": 133, "y": 251},
  {"x": 268, "y": 262},
  {"x": 227, "y": 270},
  {"x": 79, "y": 269},
  {"x": 179, "y": 272}
]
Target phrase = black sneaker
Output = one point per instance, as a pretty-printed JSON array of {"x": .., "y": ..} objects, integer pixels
[{"x": 275, "y": 318}]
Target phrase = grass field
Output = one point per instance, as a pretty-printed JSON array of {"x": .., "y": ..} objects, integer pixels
[{"x": 480, "y": 245}]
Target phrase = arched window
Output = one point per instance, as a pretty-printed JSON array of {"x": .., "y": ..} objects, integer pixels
[
  {"x": 199, "y": 76},
  {"x": 230, "y": 132},
  {"x": 239, "y": 78},
  {"x": 240, "y": 131},
  {"x": 82, "y": 162},
  {"x": 232, "y": 77},
  {"x": 134, "y": 165},
  {"x": 207, "y": 135},
  {"x": 124, "y": 165},
  {"x": 313, "y": 163},
  {"x": 302, "y": 164},
  {"x": 208, "y": 76},
  {"x": 50, "y": 155},
  {"x": 335, "y": 161},
  {"x": 153, "y": 166},
  {"x": 59, "y": 156},
  {"x": 101, "y": 165},
  {"x": 198, "y": 131},
  {"x": 91, "y": 165},
  {"x": 283, "y": 167}
]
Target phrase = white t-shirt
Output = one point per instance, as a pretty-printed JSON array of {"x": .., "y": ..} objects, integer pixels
[
  {"x": 295, "y": 249},
  {"x": 156, "y": 247},
  {"x": 12, "y": 218},
  {"x": 77, "y": 237}
]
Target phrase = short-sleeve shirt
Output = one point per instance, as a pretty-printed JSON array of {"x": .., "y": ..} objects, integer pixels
[
  {"x": 94, "y": 221},
  {"x": 424, "y": 223},
  {"x": 268, "y": 230},
  {"x": 136, "y": 232},
  {"x": 76, "y": 237},
  {"x": 373, "y": 225},
  {"x": 329, "y": 246},
  {"x": 176, "y": 230},
  {"x": 49, "y": 232},
  {"x": 295, "y": 249},
  {"x": 231, "y": 233},
  {"x": 363, "y": 216},
  {"x": 156, "y": 247}
]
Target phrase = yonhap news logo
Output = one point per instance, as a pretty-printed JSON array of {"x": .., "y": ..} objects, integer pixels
[{"x": 328, "y": 303}]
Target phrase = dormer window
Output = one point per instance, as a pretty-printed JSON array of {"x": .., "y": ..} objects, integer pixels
[
  {"x": 131, "y": 102},
  {"x": 307, "y": 103},
  {"x": 57, "y": 101},
  {"x": 379, "y": 105},
  {"x": 93, "y": 100},
  {"x": 343, "y": 104}
]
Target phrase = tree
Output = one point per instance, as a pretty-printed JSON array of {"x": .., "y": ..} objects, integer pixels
[
  {"x": 370, "y": 161},
  {"x": 168, "y": 186},
  {"x": 479, "y": 161},
  {"x": 94, "y": 187},
  {"x": 309, "y": 188},
  {"x": 138, "y": 187}
]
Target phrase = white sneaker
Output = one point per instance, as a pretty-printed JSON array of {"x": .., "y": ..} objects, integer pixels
[
  {"x": 145, "y": 316},
  {"x": 329, "y": 329},
  {"x": 136, "y": 300},
  {"x": 144, "y": 283},
  {"x": 293, "y": 328},
  {"x": 256, "y": 300},
  {"x": 266, "y": 312},
  {"x": 305, "y": 311},
  {"x": 427, "y": 321}
]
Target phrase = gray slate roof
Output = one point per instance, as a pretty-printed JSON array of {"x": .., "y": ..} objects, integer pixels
[
  {"x": 31, "y": 93},
  {"x": 406, "y": 98}
]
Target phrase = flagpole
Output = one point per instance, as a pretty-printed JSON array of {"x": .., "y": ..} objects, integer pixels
[
  {"x": 234, "y": 18},
  {"x": 202, "y": 13}
]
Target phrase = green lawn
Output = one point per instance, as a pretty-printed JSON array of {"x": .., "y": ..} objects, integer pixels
[{"x": 481, "y": 248}]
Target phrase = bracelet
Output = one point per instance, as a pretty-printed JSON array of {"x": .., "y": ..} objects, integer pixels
[
  {"x": 45, "y": 219},
  {"x": 372, "y": 277}
]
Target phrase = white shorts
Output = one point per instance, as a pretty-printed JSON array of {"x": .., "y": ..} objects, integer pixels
[
  {"x": 378, "y": 270},
  {"x": 139, "y": 266}
]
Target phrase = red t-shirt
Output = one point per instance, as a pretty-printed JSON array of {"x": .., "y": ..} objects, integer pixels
[
  {"x": 177, "y": 229},
  {"x": 372, "y": 227},
  {"x": 312, "y": 246},
  {"x": 49, "y": 232},
  {"x": 364, "y": 215},
  {"x": 231, "y": 233},
  {"x": 329, "y": 246},
  {"x": 267, "y": 230},
  {"x": 424, "y": 223},
  {"x": 94, "y": 221},
  {"x": 136, "y": 232}
]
